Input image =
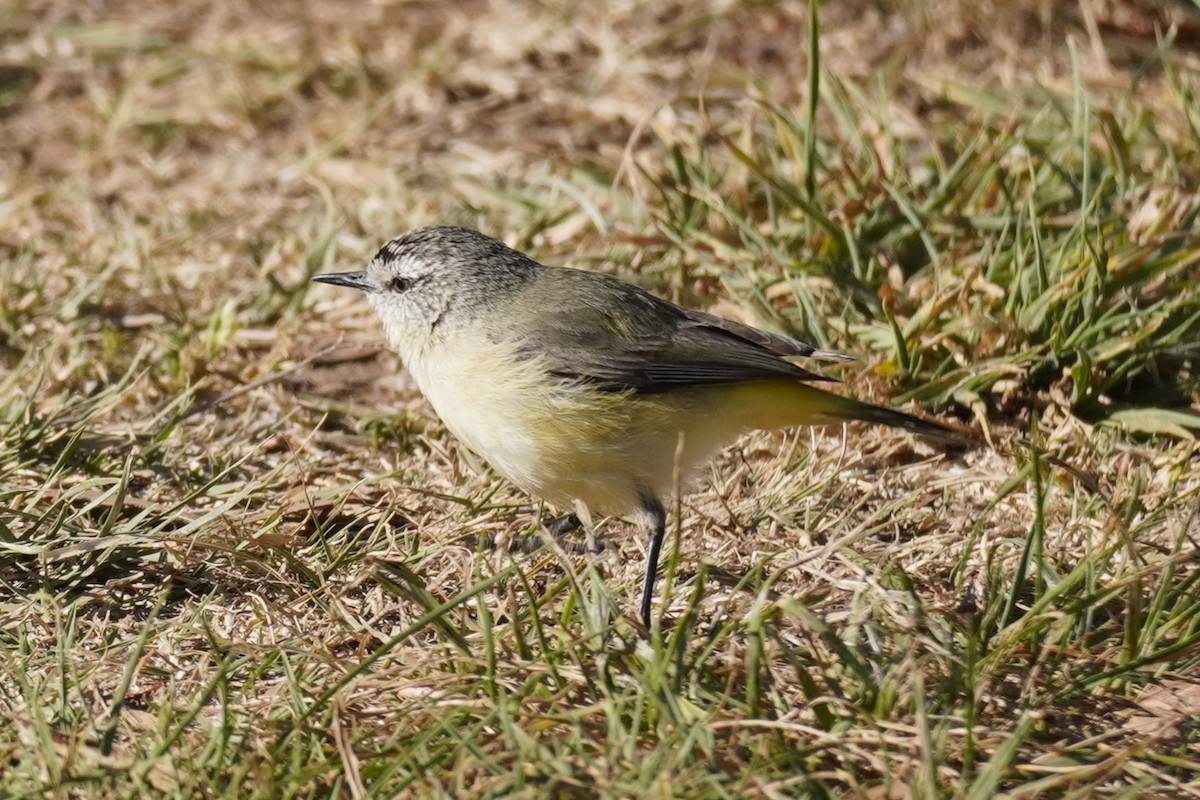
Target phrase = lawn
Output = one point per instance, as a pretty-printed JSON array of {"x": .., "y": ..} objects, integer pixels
[{"x": 240, "y": 556}]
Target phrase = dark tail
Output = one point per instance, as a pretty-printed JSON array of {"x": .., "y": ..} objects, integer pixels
[{"x": 853, "y": 409}]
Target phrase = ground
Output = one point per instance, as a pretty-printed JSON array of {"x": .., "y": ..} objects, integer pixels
[{"x": 239, "y": 555}]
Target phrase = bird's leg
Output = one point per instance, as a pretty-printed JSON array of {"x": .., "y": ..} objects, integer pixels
[
  {"x": 654, "y": 518},
  {"x": 584, "y": 516},
  {"x": 561, "y": 526}
]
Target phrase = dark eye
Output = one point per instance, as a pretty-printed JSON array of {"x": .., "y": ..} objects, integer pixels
[{"x": 400, "y": 284}]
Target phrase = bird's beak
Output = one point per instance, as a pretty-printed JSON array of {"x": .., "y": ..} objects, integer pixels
[{"x": 351, "y": 280}]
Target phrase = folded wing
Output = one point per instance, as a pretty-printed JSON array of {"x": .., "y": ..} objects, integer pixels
[{"x": 623, "y": 338}]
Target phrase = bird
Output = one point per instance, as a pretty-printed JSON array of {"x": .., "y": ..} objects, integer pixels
[{"x": 579, "y": 387}]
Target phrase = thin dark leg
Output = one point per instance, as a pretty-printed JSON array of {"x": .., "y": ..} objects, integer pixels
[
  {"x": 655, "y": 519},
  {"x": 558, "y": 528},
  {"x": 561, "y": 526}
]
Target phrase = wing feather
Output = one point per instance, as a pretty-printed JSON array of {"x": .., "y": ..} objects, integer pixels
[{"x": 624, "y": 338}]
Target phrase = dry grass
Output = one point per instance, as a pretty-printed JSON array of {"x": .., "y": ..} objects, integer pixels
[{"x": 237, "y": 553}]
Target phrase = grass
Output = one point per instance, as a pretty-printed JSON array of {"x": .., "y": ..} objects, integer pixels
[{"x": 239, "y": 556}]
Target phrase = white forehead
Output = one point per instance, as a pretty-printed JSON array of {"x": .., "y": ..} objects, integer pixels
[{"x": 398, "y": 260}]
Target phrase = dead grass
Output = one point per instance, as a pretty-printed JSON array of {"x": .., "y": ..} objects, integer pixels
[{"x": 237, "y": 553}]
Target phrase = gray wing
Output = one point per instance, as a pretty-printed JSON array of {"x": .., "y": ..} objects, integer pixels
[
  {"x": 599, "y": 329},
  {"x": 775, "y": 343}
]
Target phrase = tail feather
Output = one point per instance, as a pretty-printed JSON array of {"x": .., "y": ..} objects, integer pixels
[
  {"x": 856, "y": 410},
  {"x": 782, "y": 404}
]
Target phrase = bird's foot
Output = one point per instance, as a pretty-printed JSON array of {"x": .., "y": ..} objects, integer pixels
[{"x": 559, "y": 529}]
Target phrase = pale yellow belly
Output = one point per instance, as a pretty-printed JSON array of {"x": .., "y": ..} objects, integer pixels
[{"x": 565, "y": 441}]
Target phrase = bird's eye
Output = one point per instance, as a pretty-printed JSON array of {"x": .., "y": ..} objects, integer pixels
[{"x": 400, "y": 284}]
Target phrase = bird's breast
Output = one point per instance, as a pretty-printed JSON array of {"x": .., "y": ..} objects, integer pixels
[
  {"x": 564, "y": 440},
  {"x": 533, "y": 427}
]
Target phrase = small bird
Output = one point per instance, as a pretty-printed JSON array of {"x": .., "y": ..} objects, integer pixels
[{"x": 579, "y": 387}]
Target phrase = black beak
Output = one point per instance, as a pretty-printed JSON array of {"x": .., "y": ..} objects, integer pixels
[{"x": 351, "y": 280}]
